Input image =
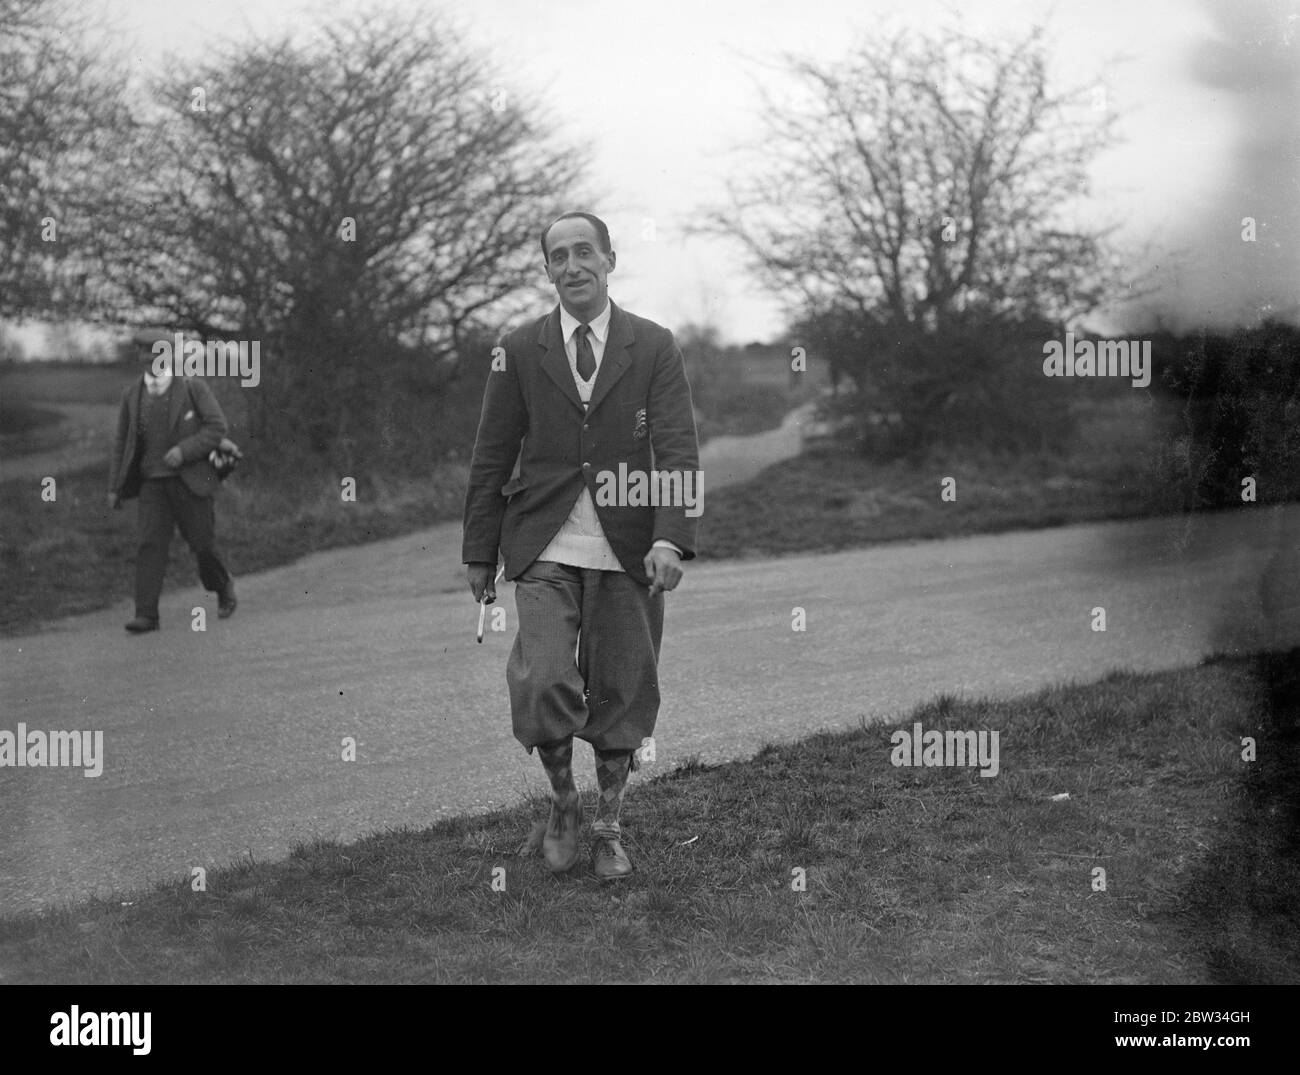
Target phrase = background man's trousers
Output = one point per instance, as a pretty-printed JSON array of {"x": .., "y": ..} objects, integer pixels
[
  {"x": 164, "y": 503},
  {"x": 615, "y": 626}
]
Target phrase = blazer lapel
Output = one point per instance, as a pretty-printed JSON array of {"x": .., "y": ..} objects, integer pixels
[
  {"x": 556, "y": 362},
  {"x": 616, "y": 359}
]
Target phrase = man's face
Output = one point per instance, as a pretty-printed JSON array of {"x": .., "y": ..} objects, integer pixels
[
  {"x": 156, "y": 385},
  {"x": 578, "y": 267}
]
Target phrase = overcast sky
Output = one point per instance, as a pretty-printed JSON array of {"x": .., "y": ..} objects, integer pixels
[{"x": 662, "y": 90}]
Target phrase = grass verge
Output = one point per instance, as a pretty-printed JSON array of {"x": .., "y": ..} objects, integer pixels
[
  {"x": 747, "y": 409},
  {"x": 912, "y": 874},
  {"x": 823, "y": 501}
]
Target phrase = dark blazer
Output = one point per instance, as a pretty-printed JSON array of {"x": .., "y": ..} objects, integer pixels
[
  {"x": 195, "y": 423},
  {"x": 640, "y": 414}
]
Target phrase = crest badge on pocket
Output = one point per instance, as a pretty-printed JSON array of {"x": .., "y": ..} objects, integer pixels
[{"x": 639, "y": 430}]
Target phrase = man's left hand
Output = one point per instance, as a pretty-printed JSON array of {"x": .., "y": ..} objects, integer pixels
[
  {"x": 173, "y": 458},
  {"x": 664, "y": 568}
]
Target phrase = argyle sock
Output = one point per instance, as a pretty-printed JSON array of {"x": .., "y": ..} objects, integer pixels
[
  {"x": 557, "y": 760},
  {"x": 611, "y": 774}
]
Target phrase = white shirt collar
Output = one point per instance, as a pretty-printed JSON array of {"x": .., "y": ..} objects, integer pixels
[{"x": 599, "y": 324}]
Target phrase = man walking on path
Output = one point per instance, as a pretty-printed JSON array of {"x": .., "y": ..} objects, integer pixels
[
  {"x": 167, "y": 426},
  {"x": 580, "y": 399}
]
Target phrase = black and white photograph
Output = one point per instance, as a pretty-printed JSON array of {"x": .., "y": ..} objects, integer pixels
[{"x": 649, "y": 493}]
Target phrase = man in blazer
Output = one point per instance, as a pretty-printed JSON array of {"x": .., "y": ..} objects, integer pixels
[
  {"x": 166, "y": 428},
  {"x": 577, "y": 401}
]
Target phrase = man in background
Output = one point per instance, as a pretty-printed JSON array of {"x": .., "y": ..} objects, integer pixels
[{"x": 167, "y": 426}]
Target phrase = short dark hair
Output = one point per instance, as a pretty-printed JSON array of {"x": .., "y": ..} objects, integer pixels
[{"x": 602, "y": 231}]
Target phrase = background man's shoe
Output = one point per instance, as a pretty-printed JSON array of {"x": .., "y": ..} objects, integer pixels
[
  {"x": 560, "y": 844},
  {"x": 140, "y": 624},
  {"x": 609, "y": 859},
  {"x": 226, "y": 603}
]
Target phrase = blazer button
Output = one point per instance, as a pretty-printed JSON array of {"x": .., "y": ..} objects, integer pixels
[{"x": 586, "y": 466}]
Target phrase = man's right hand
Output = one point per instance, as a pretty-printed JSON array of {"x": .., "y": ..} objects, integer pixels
[
  {"x": 114, "y": 501},
  {"x": 481, "y": 581}
]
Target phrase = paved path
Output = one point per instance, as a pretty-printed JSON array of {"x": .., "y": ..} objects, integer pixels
[{"x": 241, "y": 752}]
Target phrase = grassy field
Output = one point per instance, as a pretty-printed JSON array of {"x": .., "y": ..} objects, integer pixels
[
  {"x": 20, "y": 418},
  {"x": 823, "y": 501},
  {"x": 749, "y": 408},
  {"x": 911, "y": 874},
  {"x": 61, "y": 382}
]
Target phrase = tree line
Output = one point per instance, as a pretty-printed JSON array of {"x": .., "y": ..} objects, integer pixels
[{"x": 365, "y": 200}]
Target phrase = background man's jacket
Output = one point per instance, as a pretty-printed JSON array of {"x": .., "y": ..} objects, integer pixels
[
  {"x": 640, "y": 415},
  {"x": 195, "y": 424}
]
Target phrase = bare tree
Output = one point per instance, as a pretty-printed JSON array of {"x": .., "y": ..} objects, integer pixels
[
  {"x": 920, "y": 192},
  {"x": 59, "y": 109},
  {"x": 358, "y": 205}
]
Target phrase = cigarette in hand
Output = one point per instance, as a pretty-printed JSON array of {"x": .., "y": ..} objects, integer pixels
[{"x": 482, "y": 605}]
